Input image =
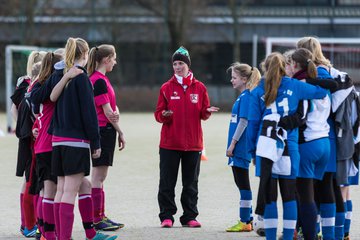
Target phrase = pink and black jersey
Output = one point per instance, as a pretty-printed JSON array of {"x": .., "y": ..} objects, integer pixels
[
  {"x": 43, "y": 141},
  {"x": 103, "y": 94}
]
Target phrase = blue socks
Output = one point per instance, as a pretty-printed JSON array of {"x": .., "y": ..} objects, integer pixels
[
  {"x": 289, "y": 219},
  {"x": 270, "y": 221},
  {"x": 348, "y": 214},
  {"x": 327, "y": 212},
  {"x": 308, "y": 212},
  {"x": 245, "y": 205}
]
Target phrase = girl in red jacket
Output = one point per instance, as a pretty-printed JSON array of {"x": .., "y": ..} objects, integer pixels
[{"x": 183, "y": 102}]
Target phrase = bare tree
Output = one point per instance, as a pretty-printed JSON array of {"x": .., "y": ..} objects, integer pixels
[
  {"x": 29, "y": 23},
  {"x": 236, "y": 8},
  {"x": 177, "y": 16}
]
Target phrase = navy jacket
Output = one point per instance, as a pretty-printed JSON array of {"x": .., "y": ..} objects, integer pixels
[{"x": 75, "y": 114}]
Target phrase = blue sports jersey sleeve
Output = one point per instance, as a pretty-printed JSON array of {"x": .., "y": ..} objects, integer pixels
[
  {"x": 254, "y": 117},
  {"x": 323, "y": 73},
  {"x": 308, "y": 91},
  {"x": 244, "y": 102}
]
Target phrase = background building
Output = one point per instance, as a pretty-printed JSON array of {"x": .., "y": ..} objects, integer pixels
[{"x": 146, "y": 33}]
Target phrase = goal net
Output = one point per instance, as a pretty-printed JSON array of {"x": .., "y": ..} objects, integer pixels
[
  {"x": 15, "y": 66},
  {"x": 344, "y": 53}
]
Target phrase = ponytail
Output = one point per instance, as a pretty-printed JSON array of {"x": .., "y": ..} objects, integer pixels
[
  {"x": 251, "y": 74},
  {"x": 75, "y": 48},
  {"x": 34, "y": 57},
  {"x": 305, "y": 59},
  {"x": 275, "y": 70},
  {"x": 253, "y": 79},
  {"x": 97, "y": 54},
  {"x": 92, "y": 61},
  {"x": 70, "y": 49},
  {"x": 311, "y": 69},
  {"x": 47, "y": 66}
]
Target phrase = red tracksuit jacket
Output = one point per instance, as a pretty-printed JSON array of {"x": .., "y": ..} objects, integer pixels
[{"x": 182, "y": 131}]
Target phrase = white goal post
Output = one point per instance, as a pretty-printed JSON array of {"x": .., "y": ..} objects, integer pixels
[
  {"x": 9, "y": 84},
  {"x": 344, "y": 53},
  {"x": 270, "y": 41}
]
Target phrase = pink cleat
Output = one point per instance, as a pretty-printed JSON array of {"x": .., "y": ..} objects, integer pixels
[
  {"x": 192, "y": 224},
  {"x": 167, "y": 223}
]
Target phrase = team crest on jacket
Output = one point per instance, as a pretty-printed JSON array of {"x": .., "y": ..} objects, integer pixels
[
  {"x": 194, "y": 98},
  {"x": 175, "y": 95}
]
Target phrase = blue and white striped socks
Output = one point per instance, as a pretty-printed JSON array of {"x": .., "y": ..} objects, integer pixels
[
  {"x": 245, "y": 205},
  {"x": 289, "y": 219},
  {"x": 327, "y": 212},
  {"x": 271, "y": 221}
]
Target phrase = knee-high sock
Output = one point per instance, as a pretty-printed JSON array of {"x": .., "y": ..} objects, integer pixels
[
  {"x": 289, "y": 219},
  {"x": 327, "y": 212},
  {"x": 39, "y": 214},
  {"x": 308, "y": 212},
  {"x": 245, "y": 205},
  {"x": 57, "y": 219},
  {"x": 66, "y": 213},
  {"x": 318, "y": 220},
  {"x": 86, "y": 212},
  {"x": 348, "y": 215},
  {"x": 102, "y": 211},
  {"x": 270, "y": 221},
  {"x": 96, "y": 201},
  {"x": 29, "y": 209},
  {"x": 339, "y": 224},
  {"x": 22, "y": 217},
  {"x": 49, "y": 220}
]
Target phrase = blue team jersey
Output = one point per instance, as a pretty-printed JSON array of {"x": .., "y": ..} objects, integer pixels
[
  {"x": 290, "y": 92},
  {"x": 239, "y": 110},
  {"x": 324, "y": 73}
]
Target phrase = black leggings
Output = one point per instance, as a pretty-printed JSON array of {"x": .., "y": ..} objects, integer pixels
[
  {"x": 268, "y": 187},
  {"x": 305, "y": 190},
  {"x": 324, "y": 189},
  {"x": 241, "y": 178}
]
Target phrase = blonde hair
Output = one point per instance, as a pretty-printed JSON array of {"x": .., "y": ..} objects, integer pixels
[
  {"x": 35, "y": 71},
  {"x": 287, "y": 55},
  {"x": 252, "y": 74},
  {"x": 75, "y": 48},
  {"x": 274, "y": 71},
  {"x": 60, "y": 51},
  {"x": 47, "y": 66},
  {"x": 313, "y": 45},
  {"x": 97, "y": 54},
  {"x": 305, "y": 59},
  {"x": 34, "y": 57}
]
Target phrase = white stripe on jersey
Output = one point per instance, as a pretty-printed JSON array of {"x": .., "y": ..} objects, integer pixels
[{"x": 316, "y": 122}]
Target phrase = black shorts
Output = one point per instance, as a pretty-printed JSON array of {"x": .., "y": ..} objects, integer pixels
[
  {"x": 107, "y": 141},
  {"x": 43, "y": 169},
  {"x": 68, "y": 160},
  {"x": 24, "y": 158}
]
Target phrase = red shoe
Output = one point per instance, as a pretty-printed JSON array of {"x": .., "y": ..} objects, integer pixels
[
  {"x": 167, "y": 223},
  {"x": 192, "y": 224}
]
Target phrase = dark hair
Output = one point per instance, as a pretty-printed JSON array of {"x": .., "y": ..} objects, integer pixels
[
  {"x": 47, "y": 66},
  {"x": 305, "y": 59},
  {"x": 97, "y": 54}
]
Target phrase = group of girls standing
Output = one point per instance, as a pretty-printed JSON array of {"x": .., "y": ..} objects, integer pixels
[
  {"x": 77, "y": 120},
  {"x": 290, "y": 126}
]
